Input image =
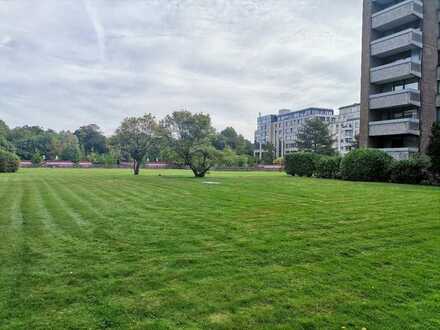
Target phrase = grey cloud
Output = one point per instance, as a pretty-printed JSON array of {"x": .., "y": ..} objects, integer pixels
[{"x": 66, "y": 63}]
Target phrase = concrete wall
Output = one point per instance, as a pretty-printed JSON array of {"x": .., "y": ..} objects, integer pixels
[{"x": 429, "y": 71}]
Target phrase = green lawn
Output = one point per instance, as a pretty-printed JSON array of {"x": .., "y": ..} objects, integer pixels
[{"x": 95, "y": 249}]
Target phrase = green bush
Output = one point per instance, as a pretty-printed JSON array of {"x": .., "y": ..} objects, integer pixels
[
  {"x": 37, "y": 159},
  {"x": 328, "y": 167},
  {"x": 300, "y": 163},
  {"x": 9, "y": 162},
  {"x": 412, "y": 171},
  {"x": 366, "y": 165}
]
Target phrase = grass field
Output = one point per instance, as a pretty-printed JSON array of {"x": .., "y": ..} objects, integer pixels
[{"x": 96, "y": 249}]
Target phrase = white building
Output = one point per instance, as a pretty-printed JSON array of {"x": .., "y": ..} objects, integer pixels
[
  {"x": 345, "y": 128},
  {"x": 281, "y": 130}
]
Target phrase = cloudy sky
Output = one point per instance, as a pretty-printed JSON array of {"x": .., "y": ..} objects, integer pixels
[{"x": 65, "y": 63}]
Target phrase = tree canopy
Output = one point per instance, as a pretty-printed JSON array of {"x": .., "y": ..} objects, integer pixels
[
  {"x": 314, "y": 136},
  {"x": 91, "y": 139},
  {"x": 190, "y": 138},
  {"x": 139, "y": 138}
]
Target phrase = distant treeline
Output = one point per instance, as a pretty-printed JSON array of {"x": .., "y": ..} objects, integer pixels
[{"x": 88, "y": 143}]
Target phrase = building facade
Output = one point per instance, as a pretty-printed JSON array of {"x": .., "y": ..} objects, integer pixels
[
  {"x": 281, "y": 130},
  {"x": 346, "y": 127},
  {"x": 399, "y": 89}
]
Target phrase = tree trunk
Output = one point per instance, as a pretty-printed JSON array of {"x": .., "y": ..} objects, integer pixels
[{"x": 136, "y": 167}]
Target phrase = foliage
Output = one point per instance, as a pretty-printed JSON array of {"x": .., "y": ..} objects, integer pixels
[
  {"x": 6, "y": 145},
  {"x": 4, "y": 129},
  {"x": 229, "y": 138},
  {"x": 328, "y": 167},
  {"x": 37, "y": 159},
  {"x": 138, "y": 137},
  {"x": 91, "y": 139},
  {"x": 279, "y": 161},
  {"x": 412, "y": 171},
  {"x": 366, "y": 165},
  {"x": 300, "y": 163},
  {"x": 9, "y": 162},
  {"x": 434, "y": 149},
  {"x": 228, "y": 158},
  {"x": 190, "y": 136},
  {"x": 314, "y": 136},
  {"x": 268, "y": 154}
]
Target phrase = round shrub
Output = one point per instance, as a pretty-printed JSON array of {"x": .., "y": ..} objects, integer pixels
[
  {"x": 300, "y": 163},
  {"x": 9, "y": 162},
  {"x": 412, "y": 171},
  {"x": 328, "y": 167},
  {"x": 366, "y": 165}
]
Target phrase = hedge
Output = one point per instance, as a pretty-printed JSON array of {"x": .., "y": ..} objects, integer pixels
[
  {"x": 366, "y": 165},
  {"x": 328, "y": 167},
  {"x": 412, "y": 171},
  {"x": 9, "y": 162},
  {"x": 300, "y": 163}
]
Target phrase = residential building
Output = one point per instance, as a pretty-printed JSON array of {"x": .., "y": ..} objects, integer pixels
[
  {"x": 345, "y": 128},
  {"x": 399, "y": 90},
  {"x": 281, "y": 130}
]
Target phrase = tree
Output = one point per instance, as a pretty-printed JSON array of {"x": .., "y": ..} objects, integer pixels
[
  {"x": 138, "y": 137},
  {"x": 4, "y": 129},
  {"x": 91, "y": 139},
  {"x": 434, "y": 149},
  {"x": 229, "y": 138},
  {"x": 268, "y": 154},
  {"x": 190, "y": 138},
  {"x": 314, "y": 136}
]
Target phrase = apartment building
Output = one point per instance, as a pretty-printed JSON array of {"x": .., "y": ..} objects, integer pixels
[
  {"x": 281, "y": 130},
  {"x": 345, "y": 128},
  {"x": 399, "y": 90}
]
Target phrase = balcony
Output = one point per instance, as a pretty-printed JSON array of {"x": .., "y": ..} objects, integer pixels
[
  {"x": 401, "y": 153},
  {"x": 403, "y": 98},
  {"x": 399, "y": 70},
  {"x": 402, "y": 13},
  {"x": 397, "y": 43},
  {"x": 404, "y": 126}
]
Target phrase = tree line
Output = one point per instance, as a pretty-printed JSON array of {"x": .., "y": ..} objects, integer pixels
[{"x": 182, "y": 137}]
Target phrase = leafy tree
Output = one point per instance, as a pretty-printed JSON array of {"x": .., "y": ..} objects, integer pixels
[
  {"x": 434, "y": 149},
  {"x": 91, "y": 139},
  {"x": 268, "y": 154},
  {"x": 138, "y": 137},
  {"x": 190, "y": 138},
  {"x": 314, "y": 136},
  {"x": 229, "y": 138},
  {"x": 28, "y": 140},
  {"x": 37, "y": 159},
  {"x": 67, "y": 147},
  {"x": 4, "y": 129}
]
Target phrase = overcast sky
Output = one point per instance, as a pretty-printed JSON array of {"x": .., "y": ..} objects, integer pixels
[{"x": 66, "y": 63}]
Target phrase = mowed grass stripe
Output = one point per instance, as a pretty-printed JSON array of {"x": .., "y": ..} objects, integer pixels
[{"x": 260, "y": 251}]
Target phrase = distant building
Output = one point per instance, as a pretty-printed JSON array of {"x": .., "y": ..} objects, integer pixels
[
  {"x": 345, "y": 128},
  {"x": 281, "y": 130}
]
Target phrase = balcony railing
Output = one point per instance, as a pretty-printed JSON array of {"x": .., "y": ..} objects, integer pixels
[
  {"x": 402, "y": 13},
  {"x": 406, "y": 126},
  {"x": 403, "y": 98},
  {"x": 396, "y": 71},
  {"x": 401, "y": 153},
  {"x": 397, "y": 43}
]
